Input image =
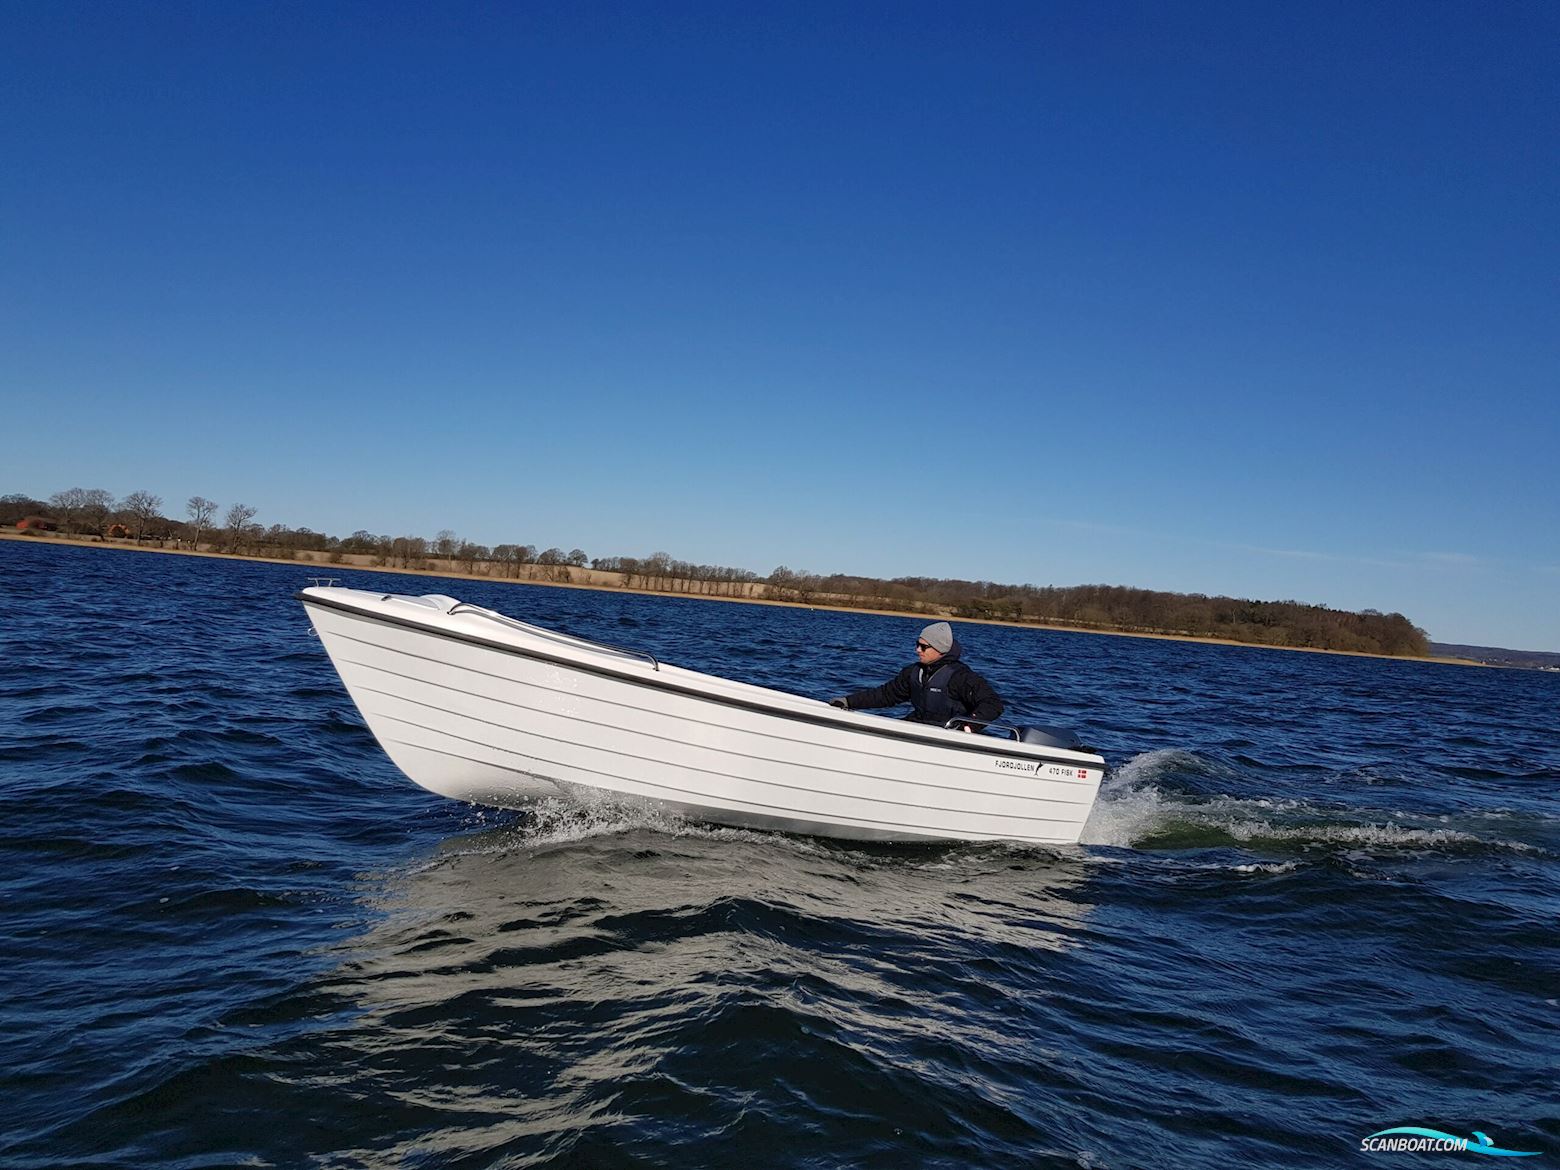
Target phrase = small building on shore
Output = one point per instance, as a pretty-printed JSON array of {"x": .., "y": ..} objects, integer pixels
[{"x": 37, "y": 524}]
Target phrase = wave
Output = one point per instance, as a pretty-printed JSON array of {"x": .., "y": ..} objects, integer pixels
[
  {"x": 563, "y": 821},
  {"x": 1137, "y": 809},
  {"x": 611, "y": 821}
]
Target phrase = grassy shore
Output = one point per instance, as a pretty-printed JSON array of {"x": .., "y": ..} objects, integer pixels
[{"x": 321, "y": 565}]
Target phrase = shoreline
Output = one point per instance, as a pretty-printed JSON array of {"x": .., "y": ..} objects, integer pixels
[{"x": 324, "y": 571}]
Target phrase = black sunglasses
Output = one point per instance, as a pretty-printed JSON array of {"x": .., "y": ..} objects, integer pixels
[{"x": 924, "y": 646}]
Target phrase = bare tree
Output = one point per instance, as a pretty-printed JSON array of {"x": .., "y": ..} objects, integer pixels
[
  {"x": 411, "y": 551},
  {"x": 445, "y": 543},
  {"x": 200, "y": 511},
  {"x": 144, "y": 509},
  {"x": 97, "y": 507},
  {"x": 238, "y": 518},
  {"x": 69, "y": 505},
  {"x": 469, "y": 554}
]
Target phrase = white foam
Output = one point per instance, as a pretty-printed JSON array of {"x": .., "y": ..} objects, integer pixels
[
  {"x": 563, "y": 821},
  {"x": 1151, "y": 765},
  {"x": 1268, "y": 867},
  {"x": 1388, "y": 834},
  {"x": 1125, "y": 816},
  {"x": 586, "y": 815},
  {"x": 1132, "y": 808}
]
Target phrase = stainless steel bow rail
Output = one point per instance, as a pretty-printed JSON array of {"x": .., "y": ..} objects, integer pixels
[
  {"x": 494, "y": 615},
  {"x": 449, "y": 606}
]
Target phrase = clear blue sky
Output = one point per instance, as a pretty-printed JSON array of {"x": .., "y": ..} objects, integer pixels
[{"x": 1248, "y": 298}]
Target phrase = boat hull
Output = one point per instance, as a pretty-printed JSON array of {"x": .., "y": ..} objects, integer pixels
[{"x": 479, "y": 708}]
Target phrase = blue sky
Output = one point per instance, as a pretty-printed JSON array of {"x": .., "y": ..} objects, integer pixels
[{"x": 1240, "y": 298}]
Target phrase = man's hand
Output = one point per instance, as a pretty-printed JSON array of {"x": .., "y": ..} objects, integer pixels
[{"x": 840, "y": 703}]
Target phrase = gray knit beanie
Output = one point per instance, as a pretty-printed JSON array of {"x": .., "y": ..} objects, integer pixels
[{"x": 939, "y": 636}]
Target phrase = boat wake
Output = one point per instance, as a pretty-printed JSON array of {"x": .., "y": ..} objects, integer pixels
[
  {"x": 550, "y": 822},
  {"x": 556, "y": 824},
  {"x": 1142, "y": 806},
  {"x": 1139, "y": 808}
]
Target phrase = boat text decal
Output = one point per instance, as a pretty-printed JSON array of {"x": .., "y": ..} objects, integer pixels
[{"x": 1037, "y": 769}]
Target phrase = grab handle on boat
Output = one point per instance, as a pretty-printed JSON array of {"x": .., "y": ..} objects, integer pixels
[
  {"x": 959, "y": 723},
  {"x": 655, "y": 663},
  {"x": 1057, "y": 737}
]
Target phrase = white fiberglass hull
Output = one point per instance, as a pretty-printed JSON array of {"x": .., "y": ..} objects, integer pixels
[{"x": 478, "y": 707}]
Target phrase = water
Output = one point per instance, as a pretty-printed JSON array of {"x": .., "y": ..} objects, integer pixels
[{"x": 1317, "y": 899}]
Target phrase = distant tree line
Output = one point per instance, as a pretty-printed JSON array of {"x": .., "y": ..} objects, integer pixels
[
  {"x": 94, "y": 512},
  {"x": 1118, "y": 608},
  {"x": 1267, "y": 623},
  {"x": 660, "y": 571}
]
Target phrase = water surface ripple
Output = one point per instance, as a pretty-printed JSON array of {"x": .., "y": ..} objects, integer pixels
[{"x": 1317, "y": 899}]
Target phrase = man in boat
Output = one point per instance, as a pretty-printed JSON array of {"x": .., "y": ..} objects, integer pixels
[{"x": 938, "y": 685}]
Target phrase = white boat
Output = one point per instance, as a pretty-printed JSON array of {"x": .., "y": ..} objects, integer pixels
[{"x": 480, "y": 707}]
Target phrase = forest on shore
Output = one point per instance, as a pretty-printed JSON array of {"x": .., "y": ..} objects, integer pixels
[{"x": 139, "y": 518}]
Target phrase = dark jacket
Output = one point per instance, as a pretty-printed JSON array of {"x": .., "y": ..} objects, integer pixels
[{"x": 971, "y": 695}]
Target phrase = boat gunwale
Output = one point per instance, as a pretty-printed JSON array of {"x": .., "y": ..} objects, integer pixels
[{"x": 999, "y": 749}]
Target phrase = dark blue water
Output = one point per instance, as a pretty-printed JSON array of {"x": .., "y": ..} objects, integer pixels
[{"x": 1318, "y": 899}]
